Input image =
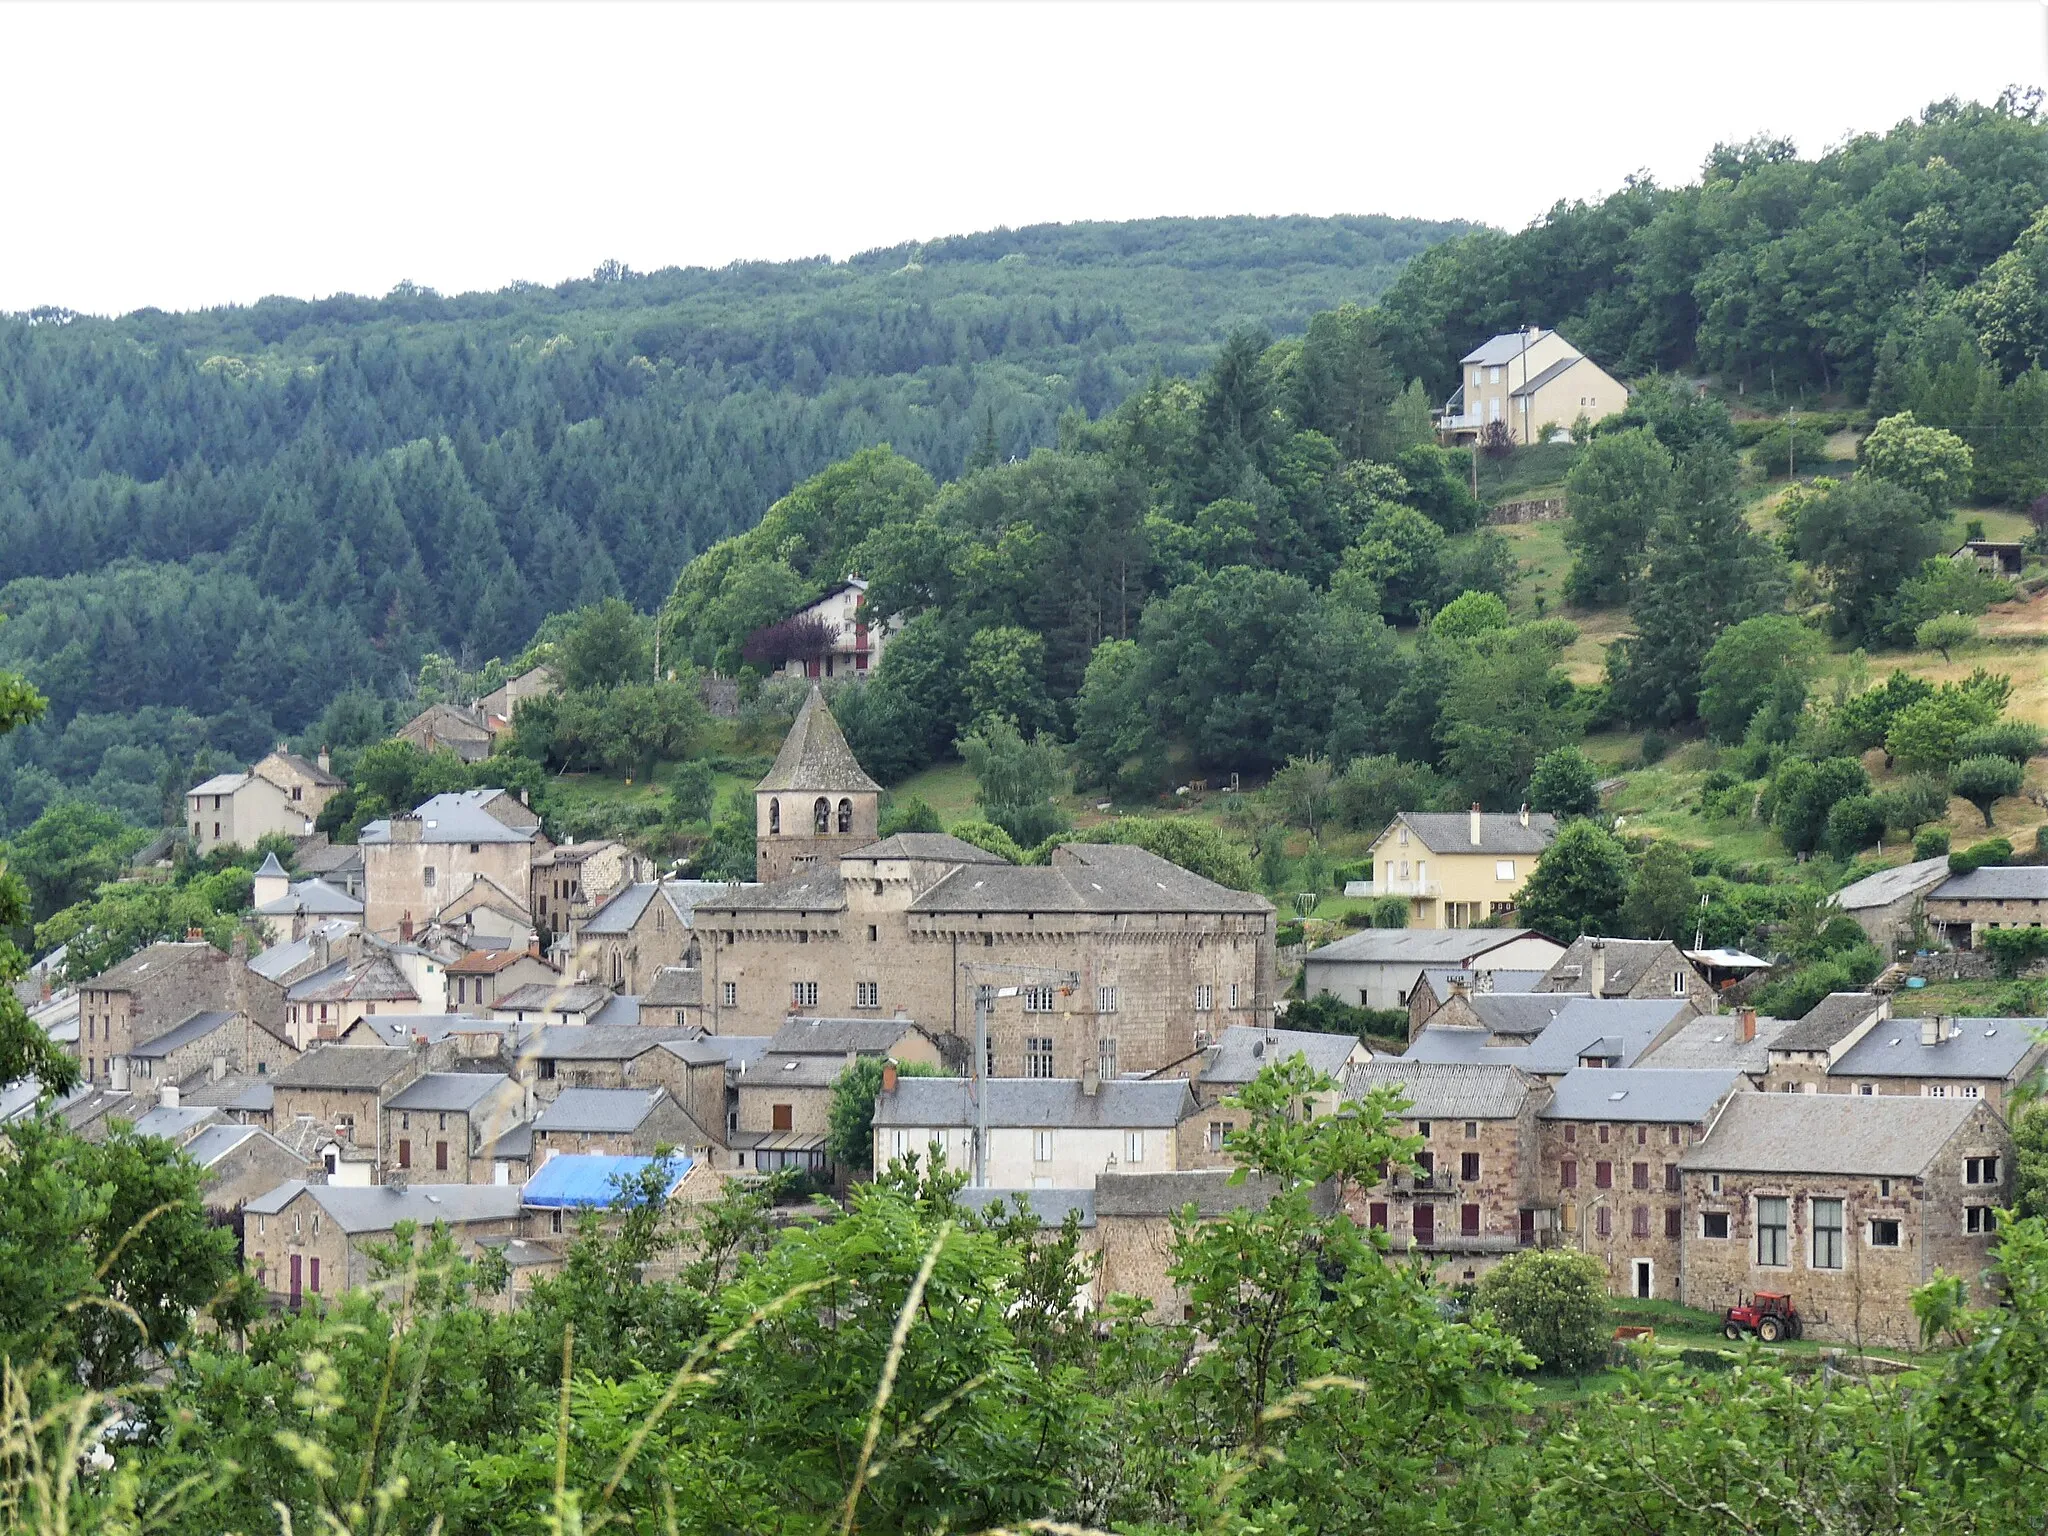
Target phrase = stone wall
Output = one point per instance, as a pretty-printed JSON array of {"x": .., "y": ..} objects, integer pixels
[
  {"x": 1548, "y": 509},
  {"x": 1625, "y": 1147}
]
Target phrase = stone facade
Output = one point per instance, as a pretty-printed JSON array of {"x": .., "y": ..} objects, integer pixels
[
  {"x": 161, "y": 986},
  {"x": 666, "y": 1124},
  {"x": 1642, "y": 969},
  {"x": 302, "y": 1254},
  {"x": 1851, "y": 1274},
  {"x": 1618, "y": 1195},
  {"x": 234, "y": 1044},
  {"x": 407, "y": 879},
  {"x": 816, "y": 802},
  {"x": 448, "y": 1146},
  {"x": 1131, "y": 1241},
  {"x": 573, "y": 881}
]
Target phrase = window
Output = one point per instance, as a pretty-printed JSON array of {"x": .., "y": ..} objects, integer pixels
[
  {"x": 314, "y": 1266},
  {"x": 821, "y": 816},
  {"x": 1425, "y": 1163},
  {"x": 1134, "y": 1146},
  {"x": 1884, "y": 1234},
  {"x": 1979, "y": 1218},
  {"x": 1714, "y": 1182},
  {"x": 1936, "y": 1090},
  {"x": 1425, "y": 1224},
  {"x": 846, "y": 816},
  {"x": 1376, "y": 1215},
  {"x": 1468, "y": 1221},
  {"x": 782, "y": 1117},
  {"x": 1105, "y": 1058},
  {"x": 1672, "y": 1136},
  {"x": 1969, "y": 1091},
  {"x": 1603, "y": 1175},
  {"x": 1642, "y": 1135},
  {"x": 1603, "y": 1134},
  {"x": 803, "y": 994},
  {"x": 440, "y": 1157},
  {"x": 1041, "y": 1146},
  {"x": 1713, "y": 1224},
  {"x": 1503, "y": 869},
  {"x": 774, "y": 818},
  {"x": 1235, "y": 989},
  {"x": 1980, "y": 1170},
  {"x": 1105, "y": 999},
  {"x": 730, "y": 994},
  {"x": 1674, "y": 1221},
  {"x": 1219, "y": 1131},
  {"x": 547, "y": 1068},
  {"x": 867, "y": 994},
  {"x": 1638, "y": 1175},
  {"x": 1603, "y": 1221},
  {"x": 1471, "y": 1130},
  {"x": 1884, "y": 1188},
  {"x": 1568, "y": 1174},
  {"x": 1468, "y": 1168},
  {"x": 1571, "y": 1134},
  {"x": 404, "y": 1152},
  {"x": 988, "y": 1066},
  {"x": 427, "y": 877},
  {"x": 1671, "y": 1178},
  {"x": 1639, "y": 1221},
  {"x": 1422, "y": 1129},
  {"x": 1773, "y": 1218},
  {"x": 1205, "y": 998},
  {"x": 1038, "y": 999},
  {"x": 1827, "y": 1233},
  {"x": 1038, "y": 1056},
  {"x": 1678, "y": 983}
]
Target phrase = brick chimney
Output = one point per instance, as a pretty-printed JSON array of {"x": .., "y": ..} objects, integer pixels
[
  {"x": 1748, "y": 1018},
  {"x": 1475, "y": 823},
  {"x": 405, "y": 929},
  {"x": 1596, "y": 968},
  {"x": 195, "y": 935},
  {"x": 889, "y": 1076}
]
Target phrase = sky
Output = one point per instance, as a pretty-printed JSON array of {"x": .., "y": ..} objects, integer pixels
[{"x": 185, "y": 155}]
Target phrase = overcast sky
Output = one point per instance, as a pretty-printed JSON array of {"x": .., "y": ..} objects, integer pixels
[{"x": 183, "y": 155}]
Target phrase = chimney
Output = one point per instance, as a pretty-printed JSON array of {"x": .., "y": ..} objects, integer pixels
[
  {"x": 325, "y": 760},
  {"x": 167, "y": 1096},
  {"x": 1933, "y": 1030},
  {"x": 1525, "y": 813},
  {"x": 405, "y": 929},
  {"x": 1748, "y": 1017},
  {"x": 195, "y": 935},
  {"x": 533, "y": 945},
  {"x": 1475, "y": 823},
  {"x": 1091, "y": 1077},
  {"x": 1458, "y": 988},
  {"x": 523, "y": 800},
  {"x": 889, "y": 1076},
  {"x": 1482, "y": 982},
  {"x": 219, "y": 1069},
  {"x": 1596, "y": 968},
  {"x": 406, "y": 829},
  {"x": 238, "y": 946}
]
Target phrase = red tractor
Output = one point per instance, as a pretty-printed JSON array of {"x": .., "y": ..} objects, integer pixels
[{"x": 1769, "y": 1315}]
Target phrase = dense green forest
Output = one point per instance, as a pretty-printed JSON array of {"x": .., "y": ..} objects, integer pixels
[{"x": 213, "y": 523}]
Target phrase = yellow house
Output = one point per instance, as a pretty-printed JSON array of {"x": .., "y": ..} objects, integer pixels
[
  {"x": 1458, "y": 870},
  {"x": 1530, "y": 379}
]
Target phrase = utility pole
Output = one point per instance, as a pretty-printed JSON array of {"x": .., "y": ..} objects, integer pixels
[{"x": 1791, "y": 437}]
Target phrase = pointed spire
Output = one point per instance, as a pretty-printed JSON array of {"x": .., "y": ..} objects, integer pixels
[{"x": 815, "y": 756}]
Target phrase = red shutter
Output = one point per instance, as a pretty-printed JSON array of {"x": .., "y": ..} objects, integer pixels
[
  {"x": 440, "y": 1157},
  {"x": 313, "y": 1285},
  {"x": 1376, "y": 1216},
  {"x": 1603, "y": 1175},
  {"x": 1468, "y": 1220},
  {"x": 404, "y": 1152},
  {"x": 1568, "y": 1174}
]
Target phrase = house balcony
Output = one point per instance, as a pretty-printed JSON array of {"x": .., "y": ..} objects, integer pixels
[
  {"x": 1442, "y": 1182},
  {"x": 1410, "y": 888}
]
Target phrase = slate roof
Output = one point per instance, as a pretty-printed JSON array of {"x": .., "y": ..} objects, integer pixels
[
  {"x": 270, "y": 868},
  {"x": 310, "y": 769},
  {"x": 197, "y": 1027},
  {"x": 675, "y": 986},
  {"x": 1049, "y": 1206},
  {"x": 374, "y": 979},
  {"x": 1714, "y": 1040},
  {"x": 144, "y": 964},
  {"x": 1503, "y": 348},
  {"x": 1974, "y": 1048},
  {"x": 215, "y": 1142},
  {"x": 275, "y": 961},
  {"x": 1419, "y": 946},
  {"x": 1545, "y": 377},
  {"x": 549, "y": 997},
  {"x": 1838, "y": 1133},
  {"x": 220, "y": 784},
  {"x": 357, "y": 1208},
  {"x": 173, "y": 1122},
  {"x": 1031, "y": 1101},
  {"x": 1996, "y": 882},
  {"x": 1824, "y": 1024},
  {"x": 815, "y": 757},
  {"x": 836, "y": 1037},
  {"x": 1518, "y": 1013},
  {"x": 590, "y": 1042},
  {"x": 1888, "y": 885},
  {"x": 1640, "y": 1094},
  {"x": 1617, "y": 1028},
  {"x": 623, "y": 1011},
  {"x": 1245, "y": 1050},
  {"x": 630, "y": 903},
  {"x": 361, "y": 1067},
  {"x": 599, "y": 1109},
  {"x": 452, "y": 1091},
  {"x": 1627, "y": 960},
  {"x": 932, "y": 847},
  {"x": 404, "y": 1028},
  {"x": 1440, "y": 978},
  {"x": 1086, "y": 877},
  {"x": 453, "y": 818},
  {"x": 313, "y": 897},
  {"x": 1449, "y": 832},
  {"x": 817, "y": 889},
  {"x": 1208, "y": 1190},
  {"x": 737, "y": 1052},
  {"x": 329, "y": 858},
  {"x": 514, "y": 1142},
  {"x": 1444, "y": 1090}
]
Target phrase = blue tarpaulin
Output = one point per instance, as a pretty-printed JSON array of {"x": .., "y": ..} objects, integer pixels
[{"x": 589, "y": 1181}]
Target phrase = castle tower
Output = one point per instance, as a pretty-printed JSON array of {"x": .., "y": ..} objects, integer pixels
[{"x": 816, "y": 803}]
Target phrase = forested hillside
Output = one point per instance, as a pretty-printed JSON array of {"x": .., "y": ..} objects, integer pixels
[{"x": 212, "y": 524}]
